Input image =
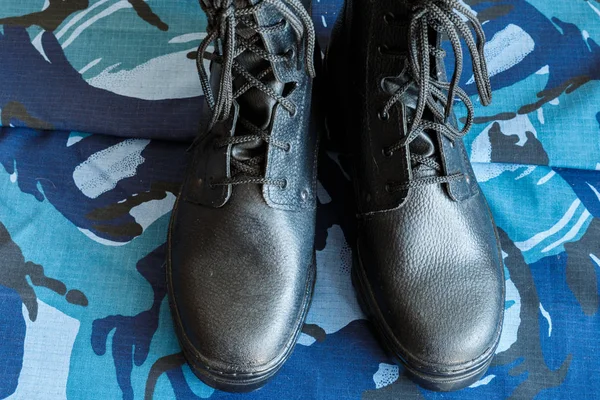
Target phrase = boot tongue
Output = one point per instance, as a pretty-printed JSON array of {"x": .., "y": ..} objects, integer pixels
[
  {"x": 424, "y": 144},
  {"x": 254, "y": 105}
]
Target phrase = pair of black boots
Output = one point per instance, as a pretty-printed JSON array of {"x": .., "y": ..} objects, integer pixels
[{"x": 241, "y": 260}]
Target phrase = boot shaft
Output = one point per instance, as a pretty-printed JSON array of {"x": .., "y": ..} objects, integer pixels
[
  {"x": 368, "y": 63},
  {"x": 260, "y": 94}
]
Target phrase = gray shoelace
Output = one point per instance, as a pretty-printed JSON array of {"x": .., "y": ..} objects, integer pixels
[
  {"x": 443, "y": 16},
  {"x": 224, "y": 20}
]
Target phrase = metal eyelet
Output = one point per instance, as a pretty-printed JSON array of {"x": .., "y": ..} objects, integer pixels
[
  {"x": 288, "y": 148},
  {"x": 388, "y": 18},
  {"x": 290, "y": 53},
  {"x": 283, "y": 184},
  {"x": 383, "y": 49},
  {"x": 304, "y": 195},
  {"x": 386, "y": 153},
  {"x": 382, "y": 115},
  {"x": 388, "y": 188}
]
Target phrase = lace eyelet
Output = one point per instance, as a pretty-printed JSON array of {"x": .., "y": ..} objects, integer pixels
[
  {"x": 290, "y": 54},
  {"x": 386, "y": 153},
  {"x": 283, "y": 184},
  {"x": 304, "y": 195},
  {"x": 383, "y": 116},
  {"x": 288, "y": 148},
  {"x": 388, "y": 18},
  {"x": 383, "y": 49},
  {"x": 388, "y": 188},
  {"x": 294, "y": 112}
]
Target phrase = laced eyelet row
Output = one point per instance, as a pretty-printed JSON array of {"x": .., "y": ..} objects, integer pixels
[
  {"x": 234, "y": 30},
  {"x": 389, "y": 19},
  {"x": 462, "y": 28}
]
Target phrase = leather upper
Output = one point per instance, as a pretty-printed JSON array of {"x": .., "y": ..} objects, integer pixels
[
  {"x": 434, "y": 267},
  {"x": 297, "y": 165},
  {"x": 241, "y": 275},
  {"x": 429, "y": 253},
  {"x": 360, "y": 72},
  {"x": 241, "y": 257}
]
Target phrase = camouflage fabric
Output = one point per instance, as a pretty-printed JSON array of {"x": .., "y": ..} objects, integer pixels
[{"x": 98, "y": 99}]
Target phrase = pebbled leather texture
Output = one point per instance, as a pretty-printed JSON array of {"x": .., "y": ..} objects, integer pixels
[
  {"x": 239, "y": 278},
  {"x": 434, "y": 267},
  {"x": 429, "y": 258},
  {"x": 298, "y": 165},
  {"x": 241, "y": 266}
]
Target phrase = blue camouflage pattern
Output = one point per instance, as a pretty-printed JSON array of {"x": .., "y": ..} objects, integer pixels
[{"x": 98, "y": 102}]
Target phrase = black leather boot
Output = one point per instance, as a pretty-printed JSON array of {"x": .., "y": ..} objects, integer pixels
[
  {"x": 428, "y": 269},
  {"x": 241, "y": 266}
]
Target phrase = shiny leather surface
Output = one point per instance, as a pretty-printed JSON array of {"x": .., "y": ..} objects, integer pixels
[
  {"x": 241, "y": 264},
  {"x": 434, "y": 266},
  {"x": 239, "y": 277},
  {"x": 430, "y": 254}
]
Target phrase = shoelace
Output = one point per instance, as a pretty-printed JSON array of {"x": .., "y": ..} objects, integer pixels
[
  {"x": 224, "y": 20},
  {"x": 443, "y": 16}
]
